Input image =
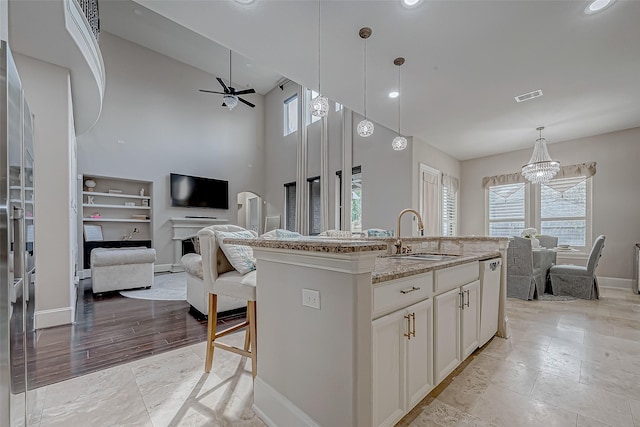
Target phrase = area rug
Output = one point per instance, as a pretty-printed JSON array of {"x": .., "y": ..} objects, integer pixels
[
  {"x": 551, "y": 297},
  {"x": 166, "y": 287}
]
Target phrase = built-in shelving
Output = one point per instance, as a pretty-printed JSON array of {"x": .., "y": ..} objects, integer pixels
[
  {"x": 88, "y": 205},
  {"x": 114, "y": 220},
  {"x": 121, "y": 195}
]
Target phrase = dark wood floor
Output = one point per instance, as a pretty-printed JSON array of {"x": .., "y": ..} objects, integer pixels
[{"x": 111, "y": 330}]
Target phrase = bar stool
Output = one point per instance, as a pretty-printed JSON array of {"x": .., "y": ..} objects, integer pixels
[{"x": 236, "y": 289}]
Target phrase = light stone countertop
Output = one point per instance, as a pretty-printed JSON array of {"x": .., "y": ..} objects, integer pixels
[{"x": 386, "y": 267}]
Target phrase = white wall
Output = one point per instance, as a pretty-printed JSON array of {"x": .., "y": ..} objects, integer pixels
[
  {"x": 4, "y": 20},
  {"x": 616, "y": 200},
  {"x": 386, "y": 178},
  {"x": 152, "y": 103},
  {"x": 47, "y": 89}
]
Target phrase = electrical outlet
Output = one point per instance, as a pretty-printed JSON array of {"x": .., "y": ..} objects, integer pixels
[{"x": 311, "y": 298}]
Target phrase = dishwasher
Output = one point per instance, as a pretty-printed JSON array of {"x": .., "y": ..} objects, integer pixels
[{"x": 489, "y": 298}]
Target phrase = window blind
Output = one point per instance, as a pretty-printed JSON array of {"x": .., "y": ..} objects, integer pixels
[{"x": 506, "y": 210}]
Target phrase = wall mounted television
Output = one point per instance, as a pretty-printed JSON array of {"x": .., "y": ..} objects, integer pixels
[{"x": 198, "y": 192}]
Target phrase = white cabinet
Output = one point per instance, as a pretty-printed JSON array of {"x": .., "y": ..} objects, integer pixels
[
  {"x": 447, "y": 333},
  {"x": 402, "y": 361},
  {"x": 490, "y": 271},
  {"x": 470, "y": 318},
  {"x": 456, "y": 317}
]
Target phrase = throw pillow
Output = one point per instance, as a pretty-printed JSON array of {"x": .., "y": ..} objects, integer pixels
[
  {"x": 286, "y": 234},
  {"x": 240, "y": 256}
]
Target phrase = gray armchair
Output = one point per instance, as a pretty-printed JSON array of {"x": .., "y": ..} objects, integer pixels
[
  {"x": 523, "y": 280},
  {"x": 548, "y": 241},
  {"x": 578, "y": 281}
]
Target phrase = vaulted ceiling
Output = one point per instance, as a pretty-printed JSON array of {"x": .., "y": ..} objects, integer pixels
[{"x": 466, "y": 60}]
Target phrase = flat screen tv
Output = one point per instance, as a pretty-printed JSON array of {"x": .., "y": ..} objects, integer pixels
[{"x": 197, "y": 192}]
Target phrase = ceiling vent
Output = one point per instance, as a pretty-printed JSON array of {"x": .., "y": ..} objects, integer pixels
[{"x": 528, "y": 96}]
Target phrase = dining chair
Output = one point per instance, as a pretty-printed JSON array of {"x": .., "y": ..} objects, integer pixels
[
  {"x": 576, "y": 280},
  {"x": 547, "y": 241},
  {"x": 524, "y": 281}
]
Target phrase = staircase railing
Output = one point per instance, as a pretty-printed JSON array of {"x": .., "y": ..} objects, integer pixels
[{"x": 90, "y": 9}]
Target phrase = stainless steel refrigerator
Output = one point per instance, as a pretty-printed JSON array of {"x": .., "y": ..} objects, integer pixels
[{"x": 17, "y": 266}]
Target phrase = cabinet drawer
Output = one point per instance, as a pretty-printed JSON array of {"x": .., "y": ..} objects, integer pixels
[
  {"x": 453, "y": 277},
  {"x": 395, "y": 294}
]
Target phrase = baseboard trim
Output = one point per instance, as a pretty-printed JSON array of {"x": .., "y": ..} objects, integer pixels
[
  {"x": 275, "y": 409},
  {"x": 162, "y": 268},
  {"x": 54, "y": 317},
  {"x": 615, "y": 282}
]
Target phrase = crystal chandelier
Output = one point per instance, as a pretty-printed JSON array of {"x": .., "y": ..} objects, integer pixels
[
  {"x": 320, "y": 104},
  {"x": 399, "y": 142},
  {"x": 230, "y": 101},
  {"x": 365, "y": 127},
  {"x": 540, "y": 168}
]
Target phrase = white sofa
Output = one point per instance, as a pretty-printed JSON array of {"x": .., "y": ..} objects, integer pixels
[
  {"x": 204, "y": 269},
  {"x": 115, "y": 269}
]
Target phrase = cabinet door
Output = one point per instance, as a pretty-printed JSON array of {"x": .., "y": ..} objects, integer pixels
[
  {"x": 419, "y": 359},
  {"x": 470, "y": 318},
  {"x": 388, "y": 369},
  {"x": 446, "y": 333}
]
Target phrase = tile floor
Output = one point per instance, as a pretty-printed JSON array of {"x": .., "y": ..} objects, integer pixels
[{"x": 573, "y": 363}]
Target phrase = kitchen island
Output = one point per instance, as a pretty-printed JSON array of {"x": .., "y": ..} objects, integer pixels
[{"x": 350, "y": 336}]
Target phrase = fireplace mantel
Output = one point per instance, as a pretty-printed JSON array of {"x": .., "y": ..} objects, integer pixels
[{"x": 186, "y": 228}]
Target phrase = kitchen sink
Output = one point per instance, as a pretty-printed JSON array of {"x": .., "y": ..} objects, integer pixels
[{"x": 427, "y": 257}]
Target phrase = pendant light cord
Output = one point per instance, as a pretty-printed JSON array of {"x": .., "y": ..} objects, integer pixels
[
  {"x": 319, "y": 91},
  {"x": 399, "y": 133},
  {"x": 365, "y": 79}
]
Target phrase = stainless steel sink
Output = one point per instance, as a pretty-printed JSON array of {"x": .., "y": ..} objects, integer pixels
[{"x": 427, "y": 257}]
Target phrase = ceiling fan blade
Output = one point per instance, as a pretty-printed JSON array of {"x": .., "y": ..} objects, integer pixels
[
  {"x": 246, "y": 102},
  {"x": 212, "y": 91},
  {"x": 243, "y": 92},
  {"x": 226, "y": 89}
]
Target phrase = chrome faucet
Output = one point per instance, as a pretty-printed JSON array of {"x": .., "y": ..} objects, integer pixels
[{"x": 398, "y": 244}]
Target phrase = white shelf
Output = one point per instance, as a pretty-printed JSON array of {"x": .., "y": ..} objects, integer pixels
[
  {"x": 17, "y": 187},
  {"x": 114, "y": 220},
  {"x": 85, "y": 205},
  {"x": 125, "y": 196}
]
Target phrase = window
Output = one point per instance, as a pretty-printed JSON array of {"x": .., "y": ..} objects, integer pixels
[
  {"x": 561, "y": 207},
  {"x": 506, "y": 210},
  {"x": 564, "y": 211},
  {"x": 290, "y": 206},
  {"x": 290, "y": 115},
  {"x": 310, "y": 118},
  {"x": 449, "y": 211},
  {"x": 314, "y": 206},
  {"x": 356, "y": 198},
  {"x": 338, "y": 107}
]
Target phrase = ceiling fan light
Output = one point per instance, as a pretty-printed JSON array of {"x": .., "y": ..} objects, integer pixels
[
  {"x": 365, "y": 128},
  {"x": 231, "y": 101},
  {"x": 399, "y": 143},
  {"x": 319, "y": 106}
]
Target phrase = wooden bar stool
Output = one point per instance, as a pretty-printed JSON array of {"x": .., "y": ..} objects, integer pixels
[{"x": 250, "y": 340}]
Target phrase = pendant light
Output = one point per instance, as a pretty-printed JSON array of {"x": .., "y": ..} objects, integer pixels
[
  {"x": 540, "y": 168},
  {"x": 399, "y": 142},
  {"x": 365, "y": 127},
  {"x": 320, "y": 104}
]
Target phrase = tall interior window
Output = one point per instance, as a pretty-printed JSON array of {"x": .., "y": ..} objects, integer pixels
[
  {"x": 564, "y": 210},
  {"x": 314, "y": 206},
  {"x": 356, "y": 198},
  {"x": 290, "y": 206},
  {"x": 290, "y": 115},
  {"x": 506, "y": 210}
]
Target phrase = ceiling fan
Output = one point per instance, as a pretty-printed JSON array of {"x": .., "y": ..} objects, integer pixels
[{"x": 231, "y": 98}]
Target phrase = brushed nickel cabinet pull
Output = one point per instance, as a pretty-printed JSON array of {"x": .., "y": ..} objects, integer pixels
[
  {"x": 413, "y": 316},
  {"x": 411, "y": 289},
  {"x": 468, "y": 296},
  {"x": 408, "y": 334}
]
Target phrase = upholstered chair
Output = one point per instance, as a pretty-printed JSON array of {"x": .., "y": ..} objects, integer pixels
[
  {"x": 523, "y": 280},
  {"x": 578, "y": 281},
  {"x": 549, "y": 242}
]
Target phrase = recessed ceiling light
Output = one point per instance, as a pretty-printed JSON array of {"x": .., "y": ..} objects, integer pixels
[
  {"x": 411, "y": 3},
  {"x": 245, "y": 1},
  {"x": 597, "y": 6},
  {"x": 393, "y": 94}
]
